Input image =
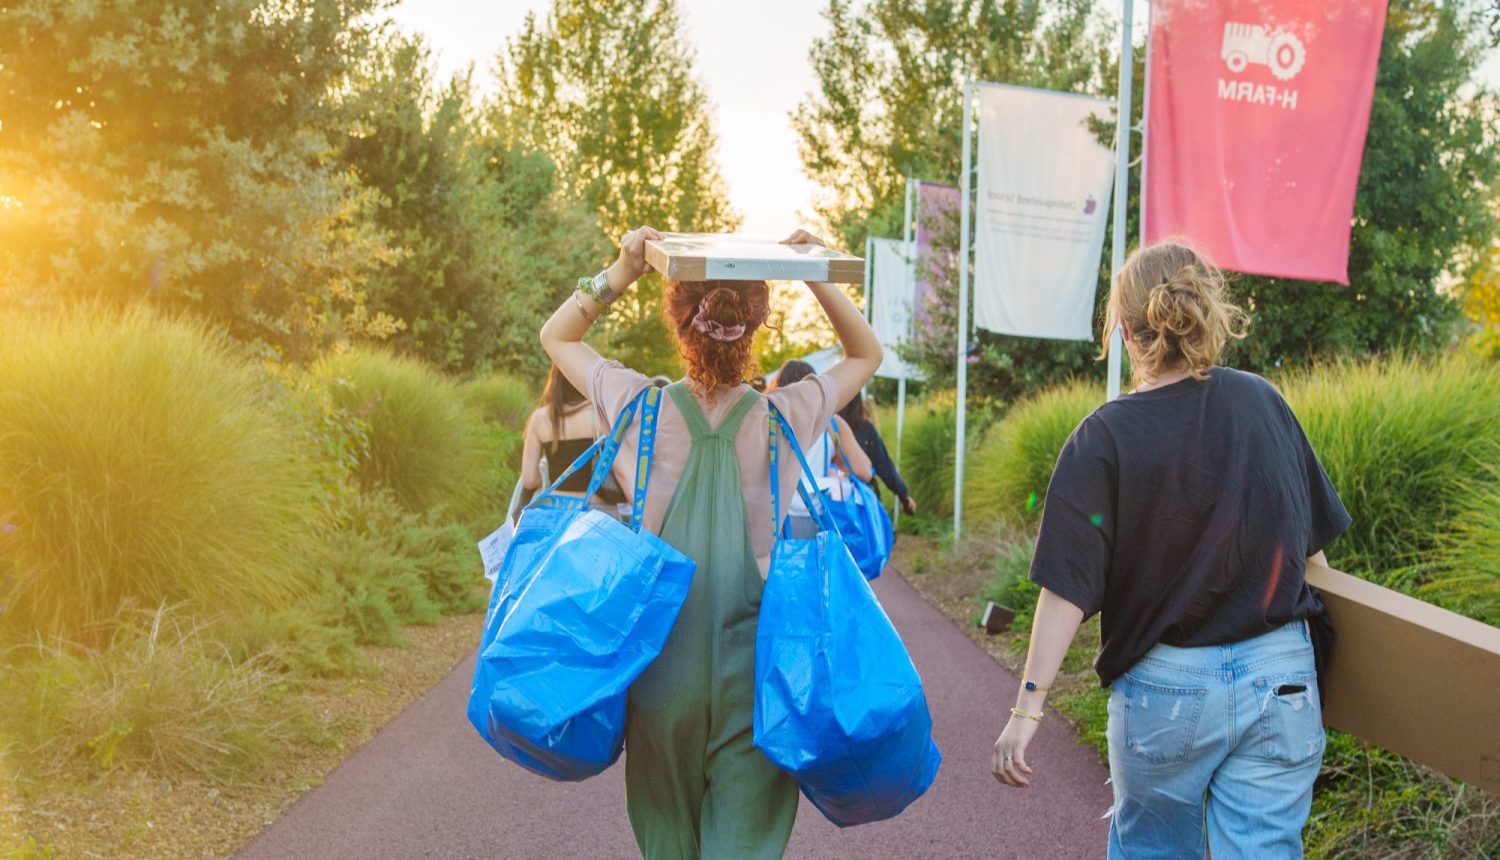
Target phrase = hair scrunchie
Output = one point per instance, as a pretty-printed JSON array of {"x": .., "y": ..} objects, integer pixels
[{"x": 713, "y": 328}]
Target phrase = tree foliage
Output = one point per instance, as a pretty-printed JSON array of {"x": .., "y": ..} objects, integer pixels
[
  {"x": 889, "y": 103},
  {"x": 606, "y": 91},
  {"x": 181, "y": 153},
  {"x": 469, "y": 215},
  {"x": 891, "y": 80}
]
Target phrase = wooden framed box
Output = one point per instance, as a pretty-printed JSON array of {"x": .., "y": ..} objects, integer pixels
[
  {"x": 1411, "y": 677},
  {"x": 732, "y": 257}
]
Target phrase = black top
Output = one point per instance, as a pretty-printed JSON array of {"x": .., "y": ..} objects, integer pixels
[
  {"x": 869, "y": 439},
  {"x": 561, "y": 454},
  {"x": 1185, "y": 515}
]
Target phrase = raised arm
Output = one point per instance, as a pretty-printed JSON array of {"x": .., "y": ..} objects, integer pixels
[
  {"x": 854, "y": 456},
  {"x": 862, "y": 352},
  {"x": 562, "y": 335}
]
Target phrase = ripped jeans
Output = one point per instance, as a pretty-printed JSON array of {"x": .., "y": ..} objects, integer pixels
[{"x": 1216, "y": 746}]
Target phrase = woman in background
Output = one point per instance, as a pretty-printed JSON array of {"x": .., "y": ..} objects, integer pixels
[
  {"x": 560, "y": 430},
  {"x": 1185, "y": 513},
  {"x": 868, "y": 437},
  {"x": 836, "y": 460}
]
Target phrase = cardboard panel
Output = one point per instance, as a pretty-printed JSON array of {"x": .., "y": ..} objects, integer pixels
[
  {"x": 731, "y": 257},
  {"x": 1418, "y": 680}
]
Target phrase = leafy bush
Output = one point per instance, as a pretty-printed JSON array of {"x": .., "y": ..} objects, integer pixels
[
  {"x": 423, "y": 441},
  {"x": 1008, "y": 473},
  {"x": 1402, "y": 439},
  {"x": 141, "y": 465}
]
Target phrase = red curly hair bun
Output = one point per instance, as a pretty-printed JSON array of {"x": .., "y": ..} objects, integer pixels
[{"x": 715, "y": 324}]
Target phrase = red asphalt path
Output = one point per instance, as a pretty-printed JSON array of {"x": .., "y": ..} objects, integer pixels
[{"x": 427, "y": 786}]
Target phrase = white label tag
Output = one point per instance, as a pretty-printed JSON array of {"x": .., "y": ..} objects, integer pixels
[{"x": 492, "y": 549}]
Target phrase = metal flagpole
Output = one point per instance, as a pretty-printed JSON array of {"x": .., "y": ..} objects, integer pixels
[
  {"x": 910, "y": 290},
  {"x": 963, "y": 314},
  {"x": 1145, "y": 112},
  {"x": 869, "y": 258},
  {"x": 1122, "y": 186}
]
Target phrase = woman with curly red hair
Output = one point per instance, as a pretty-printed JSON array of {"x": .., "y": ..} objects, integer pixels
[{"x": 695, "y": 784}]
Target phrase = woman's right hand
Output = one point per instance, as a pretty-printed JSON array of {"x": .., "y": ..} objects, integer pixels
[
  {"x": 632, "y": 262},
  {"x": 909, "y": 505}
]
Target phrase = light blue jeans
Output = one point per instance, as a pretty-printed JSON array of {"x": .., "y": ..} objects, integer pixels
[{"x": 1216, "y": 746}]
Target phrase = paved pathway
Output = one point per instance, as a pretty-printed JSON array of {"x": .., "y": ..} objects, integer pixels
[{"x": 428, "y": 786}]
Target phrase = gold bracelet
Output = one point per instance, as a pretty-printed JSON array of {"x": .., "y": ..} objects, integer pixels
[
  {"x": 1028, "y": 715},
  {"x": 578, "y": 302}
]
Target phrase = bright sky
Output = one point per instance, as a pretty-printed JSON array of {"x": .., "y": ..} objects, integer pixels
[{"x": 751, "y": 56}]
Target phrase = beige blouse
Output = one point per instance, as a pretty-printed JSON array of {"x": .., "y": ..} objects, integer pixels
[{"x": 807, "y": 404}]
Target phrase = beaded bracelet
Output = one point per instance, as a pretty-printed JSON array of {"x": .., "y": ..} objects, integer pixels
[{"x": 597, "y": 288}]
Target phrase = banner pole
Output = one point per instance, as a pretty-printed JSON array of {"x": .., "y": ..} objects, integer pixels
[
  {"x": 963, "y": 314},
  {"x": 1145, "y": 112},
  {"x": 1122, "y": 186},
  {"x": 900, "y": 422},
  {"x": 907, "y": 261},
  {"x": 869, "y": 261}
]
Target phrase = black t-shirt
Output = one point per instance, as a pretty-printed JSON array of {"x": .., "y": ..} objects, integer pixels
[{"x": 1185, "y": 515}]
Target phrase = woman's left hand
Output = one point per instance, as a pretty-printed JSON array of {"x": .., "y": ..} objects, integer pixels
[
  {"x": 632, "y": 261},
  {"x": 802, "y": 237},
  {"x": 1009, "y": 760}
]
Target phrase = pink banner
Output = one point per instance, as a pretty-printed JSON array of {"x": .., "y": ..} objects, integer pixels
[
  {"x": 937, "y": 245},
  {"x": 1256, "y": 119}
]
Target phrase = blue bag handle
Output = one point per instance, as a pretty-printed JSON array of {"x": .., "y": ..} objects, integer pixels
[
  {"x": 608, "y": 447},
  {"x": 824, "y": 517}
]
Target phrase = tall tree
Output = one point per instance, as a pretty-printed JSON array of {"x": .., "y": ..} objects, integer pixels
[
  {"x": 606, "y": 90},
  {"x": 181, "y": 153},
  {"x": 891, "y": 80},
  {"x": 481, "y": 228}
]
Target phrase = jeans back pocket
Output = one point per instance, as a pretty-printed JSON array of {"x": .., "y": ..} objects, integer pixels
[
  {"x": 1161, "y": 722},
  {"x": 1291, "y": 718}
]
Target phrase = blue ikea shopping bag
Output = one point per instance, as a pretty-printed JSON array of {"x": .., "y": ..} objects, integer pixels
[
  {"x": 862, "y": 521},
  {"x": 838, "y": 703},
  {"x": 582, "y": 604}
]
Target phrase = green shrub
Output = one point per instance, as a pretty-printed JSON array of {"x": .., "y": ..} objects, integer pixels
[
  {"x": 503, "y": 406},
  {"x": 1464, "y": 573},
  {"x": 1012, "y": 586},
  {"x": 140, "y": 465},
  {"x": 500, "y": 400},
  {"x": 423, "y": 441},
  {"x": 1402, "y": 440},
  {"x": 1008, "y": 473},
  {"x": 384, "y": 567},
  {"x": 160, "y": 697},
  {"x": 927, "y": 456}
]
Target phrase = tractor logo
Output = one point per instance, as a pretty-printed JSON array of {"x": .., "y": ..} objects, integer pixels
[{"x": 1281, "y": 51}]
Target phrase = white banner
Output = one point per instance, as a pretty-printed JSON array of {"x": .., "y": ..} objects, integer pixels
[
  {"x": 1043, "y": 198},
  {"x": 892, "y": 292}
]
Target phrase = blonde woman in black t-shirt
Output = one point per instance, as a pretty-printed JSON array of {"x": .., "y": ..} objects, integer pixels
[{"x": 1184, "y": 513}]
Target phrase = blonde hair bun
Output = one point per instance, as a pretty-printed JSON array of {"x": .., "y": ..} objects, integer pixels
[{"x": 1176, "y": 307}]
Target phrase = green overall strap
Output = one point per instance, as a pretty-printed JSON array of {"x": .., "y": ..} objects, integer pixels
[{"x": 697, "y": 422}]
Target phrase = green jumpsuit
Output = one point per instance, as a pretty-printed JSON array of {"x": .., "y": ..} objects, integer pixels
[{"x": 695, "y": 785}]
